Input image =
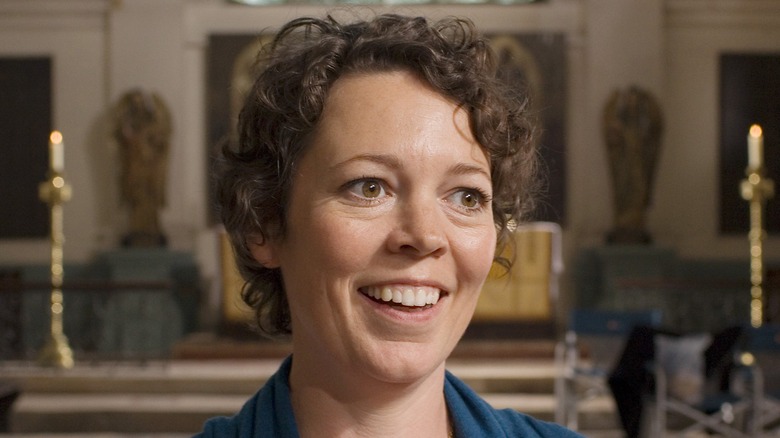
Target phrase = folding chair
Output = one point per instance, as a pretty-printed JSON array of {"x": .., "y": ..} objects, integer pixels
[
  {"x": 763, "y": 354},
  {"x": 696, "y": 404},
  {"x": 591, "y": 346}
]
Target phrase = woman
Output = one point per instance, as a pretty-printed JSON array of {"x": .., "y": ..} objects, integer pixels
[{"x": 377, "y": 166}]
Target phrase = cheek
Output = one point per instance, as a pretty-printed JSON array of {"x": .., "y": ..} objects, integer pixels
[
  {"x": 477, "y": 253},
  {"x": 342, "y": 245}
]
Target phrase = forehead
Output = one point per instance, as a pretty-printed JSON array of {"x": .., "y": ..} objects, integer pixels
[
  {"x": 381, "y": 92},
  {"x": 390, "y": 110}
]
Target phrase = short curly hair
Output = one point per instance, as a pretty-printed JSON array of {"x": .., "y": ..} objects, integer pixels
[{"x": 285, "y": 103}]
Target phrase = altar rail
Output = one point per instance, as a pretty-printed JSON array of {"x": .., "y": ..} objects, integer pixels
[
  {"x": 103, "y": 320},
  {"x": 693, "y": 294}
]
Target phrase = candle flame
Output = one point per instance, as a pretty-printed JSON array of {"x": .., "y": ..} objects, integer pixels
[
  {"x": 56, "y": 137},
  {"x": 755, "y": 131}
]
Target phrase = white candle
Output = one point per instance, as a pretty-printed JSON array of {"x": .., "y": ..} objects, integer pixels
[
  {"x": 755, "y": 147},
  {"x": 56, "y": 152}
]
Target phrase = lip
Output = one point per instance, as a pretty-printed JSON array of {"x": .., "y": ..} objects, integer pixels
[
  {"x": 408, "y": 282},
  {"x": 399, "y": 315}
]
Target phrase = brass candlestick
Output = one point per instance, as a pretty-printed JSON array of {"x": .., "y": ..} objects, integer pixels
[
  {"x": 56, "y": 352},
  {"x": 756, "y": 189}
]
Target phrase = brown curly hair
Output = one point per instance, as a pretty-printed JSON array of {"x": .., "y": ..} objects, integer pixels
[{"x": 285, "y": 103}]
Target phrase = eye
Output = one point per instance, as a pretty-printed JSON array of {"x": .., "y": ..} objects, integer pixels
[
  {"x": 367, "y": 188},
  {"x": 371, "y": 189},
  {"x": 470, "y": 199}
]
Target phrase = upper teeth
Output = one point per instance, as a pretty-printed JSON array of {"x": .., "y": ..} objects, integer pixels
[{"x": 404, "y": 295}]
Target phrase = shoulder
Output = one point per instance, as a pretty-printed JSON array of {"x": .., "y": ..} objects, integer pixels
[
  {"x": 267, "y": 414},
  {"x": 518, "y": 424},
  {"x": 474, "y": 417},
  {"x": 231, "y": 427}
]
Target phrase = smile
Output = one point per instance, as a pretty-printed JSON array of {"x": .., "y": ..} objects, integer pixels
[{"x": 409, "y": 296}]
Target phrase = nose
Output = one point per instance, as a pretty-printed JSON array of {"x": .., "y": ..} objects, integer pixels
[{"x": 419, "y": 230}]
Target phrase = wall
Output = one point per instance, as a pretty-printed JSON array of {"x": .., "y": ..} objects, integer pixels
[
  {"x": 102, "y": 48},
  {"x": 72, "y": 34},
  {"x": 696, "y": 32}
]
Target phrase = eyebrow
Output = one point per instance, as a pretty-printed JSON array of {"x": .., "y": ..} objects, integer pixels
[
  {"x": 469, "y": 169},
  {"x": 392, "y": 162},
  {"x": 383, "y": 159}
]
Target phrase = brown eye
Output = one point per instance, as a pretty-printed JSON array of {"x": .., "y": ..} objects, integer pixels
[
  {"x": 367, "y": 189},
  {"x": 469, "y": 200},
  {"x": 371, "y": 189}
]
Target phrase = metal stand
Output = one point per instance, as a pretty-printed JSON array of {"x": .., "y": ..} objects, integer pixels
[
  {"x": 757, "y": 189},
  {"x": 56, "y": 352}
]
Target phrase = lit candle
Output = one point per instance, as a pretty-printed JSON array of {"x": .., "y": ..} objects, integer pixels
[
  {"x": 755, "y": 147},
  {"x": 56, "y": 152}
]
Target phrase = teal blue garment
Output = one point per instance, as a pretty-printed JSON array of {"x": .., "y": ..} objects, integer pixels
[{"x": 268, "y": 414}]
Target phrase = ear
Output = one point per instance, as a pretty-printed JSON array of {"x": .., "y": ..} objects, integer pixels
[{"x": 263, "y": 250}]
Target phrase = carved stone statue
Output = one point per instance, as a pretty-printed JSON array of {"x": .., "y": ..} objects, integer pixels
[
  {"x": 633, "y": 125},
  {"x": 142, "y": 128}
]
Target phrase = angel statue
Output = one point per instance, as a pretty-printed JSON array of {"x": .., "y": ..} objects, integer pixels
[
  {"x": 142, "y": 128},
  {"x": 632, "y": 128}
]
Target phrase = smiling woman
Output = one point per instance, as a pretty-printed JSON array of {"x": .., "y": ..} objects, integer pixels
[
  {"x": 377, "y": 202},
  {"x": 376, "y": 169}
]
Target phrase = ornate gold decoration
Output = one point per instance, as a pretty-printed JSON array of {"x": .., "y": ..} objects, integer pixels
[
  {"x": 55, "y": 191},
  {"x": 756, "y": 189}
]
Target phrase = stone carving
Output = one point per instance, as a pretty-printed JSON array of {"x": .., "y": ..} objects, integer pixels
[
  {"x": 142, "y": 128},
  {"x": 633, "y": 126}
]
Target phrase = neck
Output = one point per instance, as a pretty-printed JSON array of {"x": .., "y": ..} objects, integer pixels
[{"x": 331, "y": 401}]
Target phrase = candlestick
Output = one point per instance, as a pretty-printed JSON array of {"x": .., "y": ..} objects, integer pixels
[
  {"x": 56, "y": 152},
  {"x": 756, "y": 189},
  {"x": 55, "y": 192}
]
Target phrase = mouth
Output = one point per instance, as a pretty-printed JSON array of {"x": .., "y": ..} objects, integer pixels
[{"x": 404, "y": 296}]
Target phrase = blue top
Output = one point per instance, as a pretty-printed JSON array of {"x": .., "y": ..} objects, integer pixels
[{"x": 269, "y": 414}]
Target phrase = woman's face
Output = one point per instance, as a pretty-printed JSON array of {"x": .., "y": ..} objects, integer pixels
[{"x": 390, "y": 231}]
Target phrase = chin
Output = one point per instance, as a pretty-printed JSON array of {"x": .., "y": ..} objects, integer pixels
[{"x": 404, "y": 362}]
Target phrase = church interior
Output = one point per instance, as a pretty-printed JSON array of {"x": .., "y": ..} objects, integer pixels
[{"x": 127, "y": 267}]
